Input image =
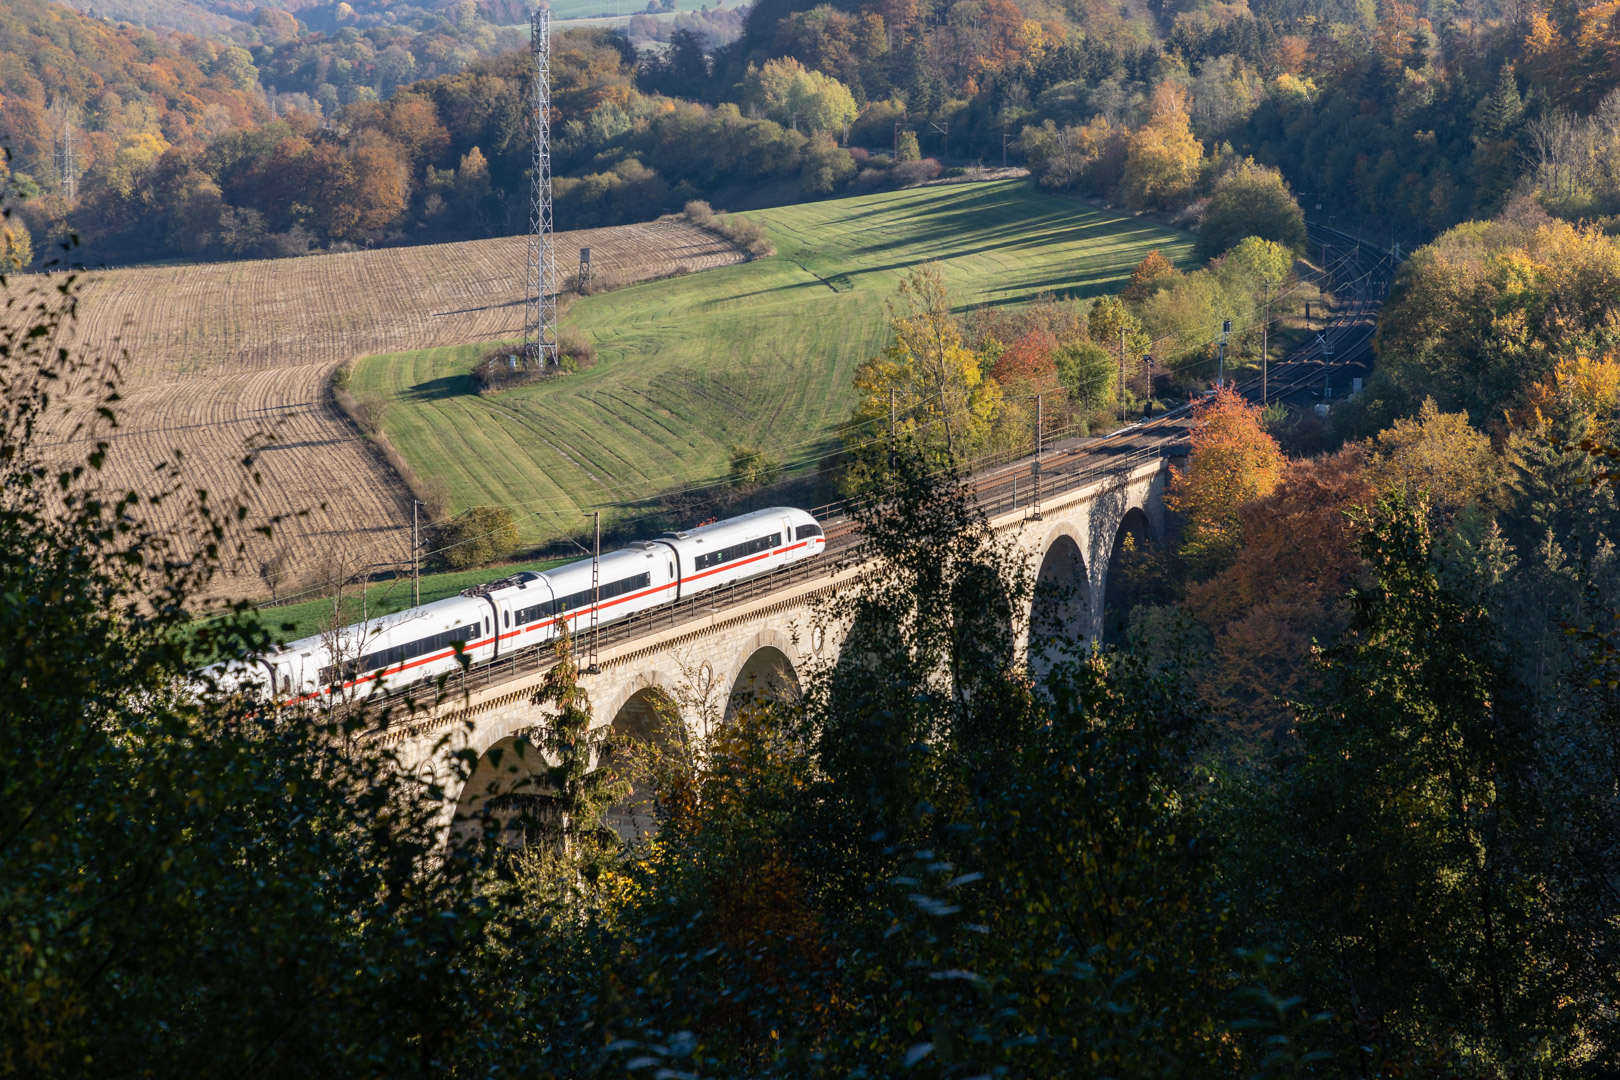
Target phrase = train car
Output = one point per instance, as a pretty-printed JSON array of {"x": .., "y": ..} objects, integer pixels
[
  {"x": 529, "y": 609},
  {"x": 418, "y": 643},
  {"x": 743, "y": 547}
]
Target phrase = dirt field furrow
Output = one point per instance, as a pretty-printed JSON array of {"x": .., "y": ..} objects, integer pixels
[{"x": 216, "y": 357}]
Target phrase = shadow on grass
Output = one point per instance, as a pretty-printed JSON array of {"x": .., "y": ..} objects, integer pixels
[{"x": 445, "y": 386}]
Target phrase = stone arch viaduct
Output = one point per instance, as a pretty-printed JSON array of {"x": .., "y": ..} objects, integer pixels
[{"x": 721, "y": 653}]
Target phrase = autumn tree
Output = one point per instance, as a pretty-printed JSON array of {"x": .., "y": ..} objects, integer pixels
[
  {"x": 1026, "y": 358},
  {"x": 1282, "y": 595},
  {"x": 16, "y": 246},
  {"x": 1484, "y": 313},
  {"x": 1164, "y": 156},
  {"x": 1436, "y": 459},
  {"x": 1231, "y": 462},
  {"x": 1153, "y": 273},
  {"x": 942, "y": 403}
]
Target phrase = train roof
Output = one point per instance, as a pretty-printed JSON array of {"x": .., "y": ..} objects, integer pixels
[
  {"x": 372, "y": 627},
  {"x": 728, "y": 523}
]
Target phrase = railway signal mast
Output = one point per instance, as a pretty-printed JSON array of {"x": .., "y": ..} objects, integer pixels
[{"x": 540, "y": 318}]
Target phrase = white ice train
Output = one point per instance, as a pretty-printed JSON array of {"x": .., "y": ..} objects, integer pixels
[{"x": 527, "y": 609}]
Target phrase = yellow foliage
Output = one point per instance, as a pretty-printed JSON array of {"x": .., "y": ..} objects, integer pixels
[
  {"x": 943, "y": 404},
  {"x": 1590, "y": 384},
  {"x": 1031, "y": 40},
  {"x": 16, "y": 246},
  {"x": 1163, "y": 157},
  {"x": 1287, "y": 85},
  {"x": 1436, "y": 458}
]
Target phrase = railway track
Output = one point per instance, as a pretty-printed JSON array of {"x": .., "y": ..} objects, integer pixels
[{"x": 1343, "y": 347}]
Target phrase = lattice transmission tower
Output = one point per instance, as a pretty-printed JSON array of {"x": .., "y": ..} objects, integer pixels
[{"x": 540, "y": 321}]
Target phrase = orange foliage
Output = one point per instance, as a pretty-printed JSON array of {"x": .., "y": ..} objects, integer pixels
[
  {"x": 1028, "y": 357},
  {"x": 1153, "y": 270},
  {"x": 1589, "y": 384},
  {"x": 1582, "y": 71},
  {"x": 50, "y": 53},
  {"x": 1293, "y": 53},
  {"x": 1233, "y": 461},
  {"x": 1283, "y": 593}
]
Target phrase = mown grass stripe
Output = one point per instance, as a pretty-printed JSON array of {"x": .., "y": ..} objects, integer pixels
[{"x": 761, "y": 353}]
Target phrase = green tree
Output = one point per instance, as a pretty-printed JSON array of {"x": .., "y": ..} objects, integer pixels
[
  {"x": 943, "y": 405},
  {"x": 562, "y": 808},
  {"x": 907, "y": 149},
  {"x": 924, "y": 859},
  {"x": 1089, "y": 373},
  {"x": 179, "y": 861},
  {"x": 1408, "y": 829},
  {"x": 1499, "y": 114},
  {"x": 753, "y": 467},
  {"x": 477, "y": 536},
  {"x": 1251, "y": 200},
  {"x": 795, "y": 98},
  {"x": 827, "y": 166},
  {"x": 1108, "y": 319}
]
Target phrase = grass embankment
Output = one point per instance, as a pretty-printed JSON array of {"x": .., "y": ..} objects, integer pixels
[{"x": 760, "y": 354}]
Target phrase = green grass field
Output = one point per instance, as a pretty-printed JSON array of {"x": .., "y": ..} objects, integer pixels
[{"x": 761, "y": 353}]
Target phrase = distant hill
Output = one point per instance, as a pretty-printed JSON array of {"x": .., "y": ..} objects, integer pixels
[
  {"x": 201, "y": 19},
  {"x": 126, "y": 94}
]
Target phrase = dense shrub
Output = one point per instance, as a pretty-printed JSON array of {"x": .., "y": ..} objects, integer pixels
[{"x": 477, "y": 536}]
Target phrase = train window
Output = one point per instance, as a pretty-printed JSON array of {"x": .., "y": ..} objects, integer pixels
[
  {"x": 486, "y": 624},
  {"x": 506, "y": 617},
  {"x": 737, "y": 551},
  {"x": 806, "y": 531},
  {"x": 396, "y": 654},
  {"x": 577, "y": 601}
]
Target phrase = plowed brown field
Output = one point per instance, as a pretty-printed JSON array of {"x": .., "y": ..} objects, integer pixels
[{"x": 217, "y": 353}]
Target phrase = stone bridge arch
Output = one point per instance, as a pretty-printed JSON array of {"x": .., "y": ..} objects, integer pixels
[
  {"x": 766, "y": 668},
  {"x": 1134, "y": 533},
  {"x": 498, "y": 794},
  {"x": 1060, "y": 615},
  {"x": 739, "y": 642}
]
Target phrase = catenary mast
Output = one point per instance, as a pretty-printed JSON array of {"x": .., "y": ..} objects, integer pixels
[{"x": 540, "y": 321}]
